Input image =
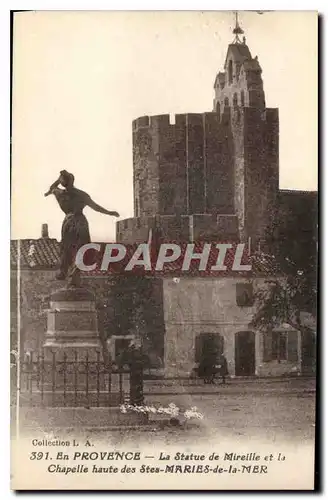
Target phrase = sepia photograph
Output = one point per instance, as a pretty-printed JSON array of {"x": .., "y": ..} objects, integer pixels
[{"x": 163, "y": 253}]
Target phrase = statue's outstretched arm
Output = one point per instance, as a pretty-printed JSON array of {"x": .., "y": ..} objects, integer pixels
[
  {"x": 53, "y": 187},
  {"x": 100, "y": 209}
]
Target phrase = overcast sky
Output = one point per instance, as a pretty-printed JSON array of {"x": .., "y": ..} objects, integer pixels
[{"x": 80, "y": 78}]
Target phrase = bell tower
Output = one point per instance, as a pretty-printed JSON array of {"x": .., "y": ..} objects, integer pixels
[
  {"x": 239, "y": 93},
  {"x": 212, "y": 175},
  {"x": 240, "y": 84}
]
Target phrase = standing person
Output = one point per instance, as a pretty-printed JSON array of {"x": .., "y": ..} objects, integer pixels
[
  {"x": 223, "y": 368},
  {"x": 136, "y": 360},
  {"x": 207, "y": 367}
]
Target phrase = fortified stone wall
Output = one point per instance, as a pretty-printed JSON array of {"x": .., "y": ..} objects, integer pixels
[
  {"x": 145, "y": 168},
  {"x": 256, "y": 141},
  {"x": 219, "y": 163},
  {"x": 261, "y": 170},
  {"x": 295, "y": 234},
  {"x": 210, "y": 163},
  {"x": 165, "y": 228},
  {"x": 185, "y": 167}
]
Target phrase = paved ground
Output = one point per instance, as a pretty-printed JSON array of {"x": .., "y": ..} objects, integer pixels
[
  {"x": 280, "y": 411},
  {"x": 237, "y": 386},
  {"x": 265, "y": 417},
  {"x": 269, "y": 410}
]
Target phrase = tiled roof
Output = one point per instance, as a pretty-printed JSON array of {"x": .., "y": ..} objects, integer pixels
[
  {"x": 44, "y": 254},
  {"x": 35, "y": 254}
]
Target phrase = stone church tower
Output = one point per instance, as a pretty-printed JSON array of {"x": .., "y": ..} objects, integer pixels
[{"x": 210, "y": 176}]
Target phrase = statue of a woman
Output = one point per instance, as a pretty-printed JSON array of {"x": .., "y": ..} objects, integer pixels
[{"x": 75, "y": 228}]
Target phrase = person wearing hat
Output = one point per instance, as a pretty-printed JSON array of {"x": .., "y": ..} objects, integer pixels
[{"x": 75, "y": 227}]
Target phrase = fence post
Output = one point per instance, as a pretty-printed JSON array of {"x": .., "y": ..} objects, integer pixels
[
  {"x": 53, "y": 369},
  {"x": 75, "y": 376},
  {"x": 120, "y": 375},
  {"x": 87, "y": 376},
  {"x": 31, "y": 362},
  {"x": 42, "y": 374},
  {"x": 98, "y": 375},
  {"x": 38, "y": 370},
  {"x": 136, "y": 380},
  {"x": 64, "y": 376}
]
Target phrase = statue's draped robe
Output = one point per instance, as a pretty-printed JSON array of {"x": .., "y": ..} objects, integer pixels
[{"x": 75, "y": 229}]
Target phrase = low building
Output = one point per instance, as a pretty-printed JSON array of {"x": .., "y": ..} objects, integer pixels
[
  {"x": 178, "y": 317},
  {"x": 215, "y": 314}
]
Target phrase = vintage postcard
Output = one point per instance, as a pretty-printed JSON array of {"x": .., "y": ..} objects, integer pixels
[{"x": 164, "y": 250}]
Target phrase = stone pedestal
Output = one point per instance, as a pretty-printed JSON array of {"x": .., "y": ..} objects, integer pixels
[
  {"x": 72, "y": 321},
  {"x": 74, "y": 372}
]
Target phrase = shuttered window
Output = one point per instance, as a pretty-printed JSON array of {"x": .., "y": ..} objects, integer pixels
[
  {"x": 244, "y": 294},
  {"x": 280, "y": 346},
  {"x": 292, "y": 346},
  {"x": 267, "y": 346}
]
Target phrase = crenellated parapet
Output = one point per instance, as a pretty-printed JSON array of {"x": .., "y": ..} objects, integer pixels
[
  {"x": 171, "y": 228},
  {"x": 195, "y": 150},
  {"x": 220, "y": 165}
]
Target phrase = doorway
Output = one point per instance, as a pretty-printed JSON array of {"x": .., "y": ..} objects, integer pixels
[
  {"x": 208, "y": 344},
  {"x": 245, "y": 353},
  {"x": 308, "y": 352}
]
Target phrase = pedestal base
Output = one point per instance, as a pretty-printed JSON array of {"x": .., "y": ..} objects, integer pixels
[
  {"x": 72, "y": 320},
  {"x": 72, "y": 350}
]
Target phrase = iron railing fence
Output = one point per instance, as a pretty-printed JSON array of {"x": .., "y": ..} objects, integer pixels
[{"x": 71, "y": 379}]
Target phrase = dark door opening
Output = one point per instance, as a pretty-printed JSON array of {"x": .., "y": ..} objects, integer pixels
[
  {"x": 245, "y": 353},
  {"x": 308, "y": 352},
  {"x": 208, "y": 344}
]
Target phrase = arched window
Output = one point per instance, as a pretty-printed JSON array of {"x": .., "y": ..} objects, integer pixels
[
  {"x": 230, "y": 71},
  {"x": 218, "y": 107},
  {"x": 226, "y": 102},
  {"x": 235, "y": 100},
  {"x": 242, "y": 98}
]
